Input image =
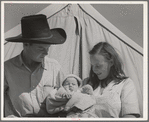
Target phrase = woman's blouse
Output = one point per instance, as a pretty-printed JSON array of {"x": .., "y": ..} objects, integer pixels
[{"x": 117, "y": 100}]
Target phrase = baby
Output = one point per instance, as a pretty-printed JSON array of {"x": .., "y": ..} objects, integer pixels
[
  {"x": 71, "y": 84},
  {"x": 68, "y": 95}
]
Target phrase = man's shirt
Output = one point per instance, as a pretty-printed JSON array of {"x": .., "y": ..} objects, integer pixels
[{"x": 27, "y": 90}]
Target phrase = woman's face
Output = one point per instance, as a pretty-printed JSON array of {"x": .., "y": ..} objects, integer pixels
[
  {"x": 71, "y": 84},
  {"x": 100, "y": 66}
]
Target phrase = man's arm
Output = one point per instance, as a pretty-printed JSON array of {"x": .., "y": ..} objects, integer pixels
[{"x": 9, "y": 110}]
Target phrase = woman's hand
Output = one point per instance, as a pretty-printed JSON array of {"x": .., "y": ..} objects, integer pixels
[{"x": 129, "y": 116}]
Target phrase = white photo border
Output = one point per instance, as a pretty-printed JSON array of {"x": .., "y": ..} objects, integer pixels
[{"x": 145, "y": 60}]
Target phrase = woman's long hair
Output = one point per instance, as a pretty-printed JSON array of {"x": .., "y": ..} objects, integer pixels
[{"x": 116, "y": 72}]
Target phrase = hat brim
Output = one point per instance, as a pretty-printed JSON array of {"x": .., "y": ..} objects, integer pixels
[{"x": 58, "y": 37}]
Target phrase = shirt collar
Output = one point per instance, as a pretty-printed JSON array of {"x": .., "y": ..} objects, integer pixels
[
  {"x": 43, "y": 64},
  {"x": 20, "y": 61}
]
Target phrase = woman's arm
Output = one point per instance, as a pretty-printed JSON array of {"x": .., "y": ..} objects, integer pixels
[
  {"x": 129, "y": 100},
  {"x": 9, "y": 110}
]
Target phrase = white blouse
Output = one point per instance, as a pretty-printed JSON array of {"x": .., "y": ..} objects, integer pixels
[{"x": 116, "y": 100}]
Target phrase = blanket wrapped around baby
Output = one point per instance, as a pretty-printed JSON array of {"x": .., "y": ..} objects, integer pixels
[{"x": 79, "y": 105}]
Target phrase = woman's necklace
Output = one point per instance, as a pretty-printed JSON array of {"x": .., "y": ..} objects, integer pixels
[{"x": 101, "y": 89}]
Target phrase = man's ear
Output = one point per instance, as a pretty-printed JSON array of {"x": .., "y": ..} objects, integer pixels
[{"x": 25, "y": 44}]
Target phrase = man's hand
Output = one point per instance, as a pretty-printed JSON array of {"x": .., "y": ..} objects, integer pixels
[{"x": 11, "y": 116}]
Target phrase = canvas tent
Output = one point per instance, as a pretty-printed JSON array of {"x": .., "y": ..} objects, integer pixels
[{"x": 85, "y": 27}]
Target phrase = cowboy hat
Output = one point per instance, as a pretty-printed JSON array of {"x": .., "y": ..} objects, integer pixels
[{"x": 35, "y": 29}]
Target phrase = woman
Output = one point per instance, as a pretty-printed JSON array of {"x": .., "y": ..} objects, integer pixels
[{"x": 115, "y": 93}]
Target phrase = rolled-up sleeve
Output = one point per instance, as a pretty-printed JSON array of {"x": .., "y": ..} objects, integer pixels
[
  {"x": 60, "y": 78},
  {"x": 129, "y": 99}
]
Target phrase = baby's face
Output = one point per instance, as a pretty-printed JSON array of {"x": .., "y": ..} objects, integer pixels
[{"x": 71, "y": 84}]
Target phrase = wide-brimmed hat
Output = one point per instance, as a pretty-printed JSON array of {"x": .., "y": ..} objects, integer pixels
[
  {"x": 35, "y": 29},
  {"x": 74, "y": 76}
]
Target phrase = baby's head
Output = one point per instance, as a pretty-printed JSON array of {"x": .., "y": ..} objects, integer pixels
[{"x": 72, "y": 82}]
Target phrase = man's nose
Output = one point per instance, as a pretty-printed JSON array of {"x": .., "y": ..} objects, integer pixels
[{"x": 95, "y": 68}]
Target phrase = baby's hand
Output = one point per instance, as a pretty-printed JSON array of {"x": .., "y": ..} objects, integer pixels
[{"x": 67, "y": 95}]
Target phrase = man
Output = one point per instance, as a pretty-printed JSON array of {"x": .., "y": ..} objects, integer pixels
[{"x": 29, "y": 77}]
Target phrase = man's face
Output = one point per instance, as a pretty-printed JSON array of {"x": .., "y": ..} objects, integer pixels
[{"x": 37, "y": 52}]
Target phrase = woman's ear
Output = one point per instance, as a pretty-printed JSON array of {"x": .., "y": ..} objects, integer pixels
[{"x": 111, "y": 62}]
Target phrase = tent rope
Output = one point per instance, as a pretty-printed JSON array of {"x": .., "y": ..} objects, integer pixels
[{"x": 57, "y": 11}]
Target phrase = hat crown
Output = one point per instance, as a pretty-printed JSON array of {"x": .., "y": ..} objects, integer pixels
[{"x": 35, "y": 26}]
